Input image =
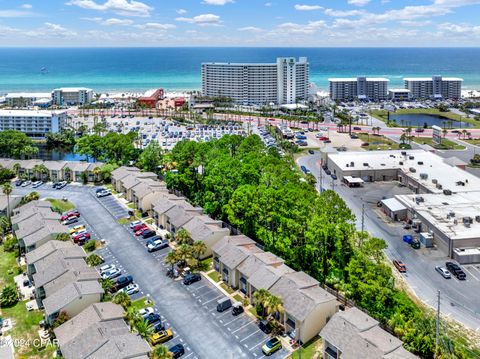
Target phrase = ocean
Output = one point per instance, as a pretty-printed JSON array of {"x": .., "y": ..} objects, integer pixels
[{"x": 138, "y": 69}]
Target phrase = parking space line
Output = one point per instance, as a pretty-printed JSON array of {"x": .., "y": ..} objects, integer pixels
[
  {"x": 248, "y": 336},
  {"x": 243, "y": 326},
  {"x": 232, "y": 321},
  {"x": 474, "y": 276},
  {"x": 188, "y": 355},
  {"x": 256, "y": 345}
]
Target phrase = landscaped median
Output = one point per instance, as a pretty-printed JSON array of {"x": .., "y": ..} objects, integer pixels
[{"x": 445, "y": 144}]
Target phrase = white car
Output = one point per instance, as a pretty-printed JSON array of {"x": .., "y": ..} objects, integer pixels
[
  {"x": 104, "y": 193},
  {"x": 444, "y": 272},
  {"x": 106, "y": 267},
  {"x": 26, "y": 183},
  {"x": 112, "y": 273},
  {"x": 145, "y": 312},
  {"x": 37, "y": 184},
  {"x": 131, "y": 289},
  {"x": 135, "y": 223}
]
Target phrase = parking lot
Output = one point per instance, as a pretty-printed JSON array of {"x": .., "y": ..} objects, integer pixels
[{"x": 189, "y": 310}]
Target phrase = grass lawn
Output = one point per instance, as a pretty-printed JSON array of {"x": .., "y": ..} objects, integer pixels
[
  {"x": 445, "y": 145},
  {"x": 207, "y": 264},
  {"x": 227, "y": 288},
  {"x": 310, "y": 350},
  {"x": 131, "y": 205},
  {"x": 377, "y": 143},
  {"x": 60, "y": 206},
  {"x": 382, "y": 115},
  {"x": 253, "y": 311},
  {"x": 140, "y": 303},
  {"x": 215, "y": 276},
  {"x": 123, "y": 221},
  {"x": 473, "y": 141},
  {"x": 8, "y": 267},
  {"x": 238, "y": 298}
]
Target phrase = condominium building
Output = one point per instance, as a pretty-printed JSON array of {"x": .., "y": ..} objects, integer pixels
[
  {"x": 33, "y": 123},
  {"x": 360, "y": 88},
  {"x": 72, "y": 96},
  {"x": 283, "y": 82},
  {"x": 23, "y": 99},
  {"x": 436, "y": 87}
]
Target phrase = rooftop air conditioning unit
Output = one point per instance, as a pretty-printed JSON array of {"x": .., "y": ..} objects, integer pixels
[
  {"x": 439, "y": 186},
  {"x": 434, "y": 181},
  {"x": 447, "y": 192},
  {"x": 413, "y": 170},
  {"x": 420, "y": 163},
  {"x": 352, "y": 164},
  {"x": 365, "y": 164},
  {"x": 424, "y": 176},
  {"x": 411, "y": 157},
  {"x": 400, "y": 163}
]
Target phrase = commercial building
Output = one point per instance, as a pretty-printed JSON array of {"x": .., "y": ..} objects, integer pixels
[
  {"x": 445, "y": 202},
  {"x": 283, "y": 82},
  {"x": 398, "y": 94},
  {"x": 360, "y": 88},
  {"x": 24, "y": 99},
  {"x": 151, "y": 97},
  {"x": 67, "y": 96},
  {"x": 33, "y": 123},
  {"x": 353, "y": 334},
  {"x": 436, "y": 87}
]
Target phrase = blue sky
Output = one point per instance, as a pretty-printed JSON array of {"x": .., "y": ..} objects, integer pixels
[{"x": 349, "y": 23}]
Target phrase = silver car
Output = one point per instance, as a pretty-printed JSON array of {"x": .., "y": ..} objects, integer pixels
[{"x": 444, "y": 272}]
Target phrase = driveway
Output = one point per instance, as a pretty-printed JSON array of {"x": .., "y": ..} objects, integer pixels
[{"x": 204, "y": 332}]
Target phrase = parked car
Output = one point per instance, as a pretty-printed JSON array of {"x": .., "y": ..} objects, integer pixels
[
  {"x": 455, "y": 269},
  {"x": 356, "y": 128},
  {"x": 223, "y": 304},
  {"x": 61, "y": 185},
  {"x": 145, "y": 312},
  {"x": 69, "y": 214},
  {"x": 26, "y": 183},
  {"x": 106, "y": 267},
  {"x": 157, "y": 245},
  {"x": 237, "y": 308},
  {"x": 103, "y": 193},
  {"x": 37, "y": 184},
  {"x": 334, "y": 176},
  {"x": 177, "y": 350},
  {"x": 70, "y": 220},
  {"x": 135, "y": 223},
  {"x": 148, "y": 233},
  {"x": 353, "y": 136},
  {"x": 142, "y": 229},
  {"x": 328, "y": 172},
  {"x": 400, "y": 266},
  {"x": 80, "y": 237},
  {"x": 18, "y": 182},
  {"x": 323, "y": 138},
  {"x": 161, "y": 337},
  {"x": 191, "y": 278},
  {"x": 311, "y": 152},
  {"x": 265, "y": 326},
  {"x": 443, "y": 271},
  {"x": 80, "y": 227},
  {"x": 158, "y": 326},
  {"x": 111, "y": 273},
  {"x": 153, "y": 318},
  {"x": 271, "y": 346},
  {"x": 139, "y": 227},
  {"x": 131, "y": 289},
  {"x": 122, "y": 282}
]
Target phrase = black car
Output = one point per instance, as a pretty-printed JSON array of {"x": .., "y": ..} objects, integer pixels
[
  {"x": 191, "y": 278},
  {"x": 328, "y": 172},
  {"x": 265, "y": 326},
  {"x": 122, "y": 282},
  {"x": 353, "y": 136},
  {"x": 153, "y": 318},
  {"x": 237, "y": 309},
  {"x": 158, "y": 326},
  {"x": 177, "y": 350},
  {"x": 311, "y": 152},
  {"x": 148, "y": 233},
  {"x": 455, "y": 269},
  {"x": 18, "y": 183},
  {"x": 334, "y": 176}
]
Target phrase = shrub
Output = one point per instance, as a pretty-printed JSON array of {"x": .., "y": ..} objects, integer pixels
[
  {"x": 93, "y": 260},
  {"x": 90, "y": 246},
  {"x": 62, "y": 318},
  {"x": 10, "y": 244},
  {"x": 62, "y": 237},
  {"x": 9, "y": 296}
]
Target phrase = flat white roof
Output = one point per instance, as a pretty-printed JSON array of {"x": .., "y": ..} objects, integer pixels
[
  {"x": 72, "y": 89},
  {"x": 399, "y": 90},
  {"x": 28, "y": 94},
  {"x": 150, "y": 93},
  {"x": 29, "y": 113},
  {"x": 351, "y": 179},
  {"x": 431, "y": 79},
  {"x": 293, "y": 106},
  {"x": 433, "y": 167},
  {"x": 393, "y": 204},
  {"x": 354, "y": 79}
]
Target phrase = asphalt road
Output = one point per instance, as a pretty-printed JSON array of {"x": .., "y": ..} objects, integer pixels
[
  {"x": 459, "y": 299},
  {"x": 190, "y": 311}
]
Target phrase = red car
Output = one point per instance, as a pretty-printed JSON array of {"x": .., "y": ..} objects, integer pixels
[
  {"x": 140, "y": 231},
  {"x": 323, "y": 138},
  {"x": 139, "y": 227},
  {"x": 80, "y": 237},
  {"x": 70, "y": 214}
]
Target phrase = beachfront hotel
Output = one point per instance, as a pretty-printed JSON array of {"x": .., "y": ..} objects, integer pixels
[
  {"x": 436, "y": 87},
  {"x": 23, "y": 99},
  {"x": 72, "y": 96},
  {"x": 360, "y": 88},
  {"x": 283, "y": 82},
  {"x": 35, "y": 124}
]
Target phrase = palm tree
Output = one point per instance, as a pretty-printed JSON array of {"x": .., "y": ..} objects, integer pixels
[
  {"x": 171, "y": 258},
  {"x": 183, "y": 237},
  {"x": 7, "y": 190},
  {"x": 144, "y": 328},
  {"x": 184, "y": 252},
  {"x": 274, "y": 305},
  {"x": 161, "y": 352},
  {"x": 198, "y": 249},
  {"x": 444, "y": 132},
  {"x": 132, "y": 316},
  {"x": 107, "y": 284},
  {"x": 123, "y": 299},
  {"x": 260, "y": 297},
  {"x": 67, "y": 171},
  {"x": 16, "y": 168}
]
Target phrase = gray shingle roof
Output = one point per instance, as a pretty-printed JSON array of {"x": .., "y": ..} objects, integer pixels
[
  {"x": 67, "y": 249},
  {"x": 178, "y": 215},
  {"x": 233, "y": 250},
  {"x": 100, "y": 332},
  {"x": 8, "y": 163},
  {"x": 70, "y": 276},
  {"x": 55, "y": 165},
  {"x": 201, "y": 228},
  {"x": 123, "y": 171},
  {"x": 79, "y": 166},
  {"x": 29, "y": 164},
  {"x": 149, "y": 186},
  {"x": 228, "y": 242},
  {"x": 27, "y": 210},
  {"x": 49, "y": 228},
  {"x": 68, "y": 294},
  {"x": 357, "y": 335},
  {"x": 265, "y": 277},
  {"x": 257, "y": 260}
]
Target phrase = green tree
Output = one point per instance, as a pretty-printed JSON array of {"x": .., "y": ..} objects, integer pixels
[
  {"x": 171, "y": 258},
  {"x": 161, "y": 352},
  {"x": 260, "y": 298},
  {"x": 9, "y": 296},
  {"x": 183, "y": 237},
  {"x": 32, "y": 196},
  {"x": 63, "y": 317},
  {"x": 7, "y": 191},
  {"x": 6, "y": 175},
  {"x": 151, "y": 157},
  {"x": 90, "y": 246},
  {"x": 10, "y": 244},
  {"x": 62, "y": 237},
  {"x": 198, "y": 249},
  {"x": 107, "y": 284},
  {"x": 144, "y": 328},
  {"x": 16, "y": 144},
  {"x": 123, "y": 299},
  {"x": 94, "y": 260}
]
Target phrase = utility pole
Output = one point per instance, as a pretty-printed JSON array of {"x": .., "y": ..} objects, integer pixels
[
  {"x": 438, "y": 321},
  {"x": 363, "y": 217}
]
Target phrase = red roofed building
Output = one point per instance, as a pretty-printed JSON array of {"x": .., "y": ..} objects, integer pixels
[
  {"x": 179, "y": 101},
  {"x": 151, "y": 97}
]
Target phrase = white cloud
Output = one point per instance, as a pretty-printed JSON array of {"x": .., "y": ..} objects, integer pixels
[
  {"x": 26, "y": 6},
  {"x": 307, "y": 7},
  {"x": 156, "y": 26},
  {"x": 217, "y": 2},
  {"x": 358, "y": 2},
  {"x": 113, "y": 21},
  {"x": 250, "y": 29},
  {"x": 16, "y": 13},
  {"x": 341, "y": 13},
  {"x": 310, "y": 28},
  {"x": 181, "y": 11},
  {"x": 202, "y": 20},
  {"x": 268, "y": 4},
  {"x": 120, "y": 7}
]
